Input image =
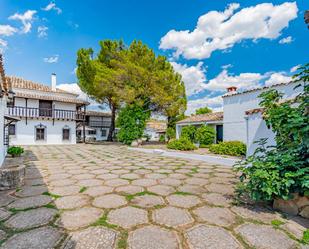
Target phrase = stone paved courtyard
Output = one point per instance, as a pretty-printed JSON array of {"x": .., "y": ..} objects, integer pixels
[{"x": 105, "y": 196}]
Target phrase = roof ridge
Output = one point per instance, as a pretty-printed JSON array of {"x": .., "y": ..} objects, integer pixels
[{"x": 19, "y": 82}]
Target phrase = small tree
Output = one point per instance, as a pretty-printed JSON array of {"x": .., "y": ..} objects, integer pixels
[
  {"x": 132, "y": 122},
  {"x": 279, "y": 171},
  {"x": 188, "y": 132},
  {"x": 205, "y": 135},
  {"x": 203, "y": 110}
]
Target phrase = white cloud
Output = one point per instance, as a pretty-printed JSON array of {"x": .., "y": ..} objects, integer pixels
[
  {"x": 241, "y": 81},
  {"x": 74, "y": 88},
  {"x": 3, "y": 45},
  {"x": 277, "y": 78},
  {"x": 286, "y": 40},
  {"x": 193, "y": 77},
  {"x": 42, "y": 31},
  {"x": 215, "y": 103},
  {"x": 221, "y": 30},
  {"x": 7, "y": 30},
  {"x": 295, "y": 68},
  {"x": 26, "y": 20},
  {"x": 51, "y": 59},
  {"x": 52, "y": 6},
  {"x": 74, "y": 70}
]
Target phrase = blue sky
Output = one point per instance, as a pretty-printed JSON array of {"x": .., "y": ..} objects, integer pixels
[{"x": 213, "y": 44}]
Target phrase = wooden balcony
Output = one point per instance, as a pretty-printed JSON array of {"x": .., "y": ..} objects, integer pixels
[{"x": 53, "y": 114}]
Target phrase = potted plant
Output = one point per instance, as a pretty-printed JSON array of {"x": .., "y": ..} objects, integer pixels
[{"x": 15, "y": 151}]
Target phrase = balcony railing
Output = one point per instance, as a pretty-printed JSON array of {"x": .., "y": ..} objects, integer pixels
[
  {"x": 99, "y": 123},
  {"x": 29, "y": 112}
]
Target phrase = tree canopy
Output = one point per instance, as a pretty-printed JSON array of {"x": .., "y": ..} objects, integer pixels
[
  {"x": 203, "y": 110},
  {"x": 122, "y": 75}
]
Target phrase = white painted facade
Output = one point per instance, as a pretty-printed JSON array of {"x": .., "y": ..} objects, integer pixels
[
  {"x": 248, "y": 129},
  {"x": 25, "y": 129},
  {"x": 2, "y": 112},
  {"x": 153, "y": 134}
]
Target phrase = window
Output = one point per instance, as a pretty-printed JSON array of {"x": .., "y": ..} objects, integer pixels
[
  {"x": 65, "y": 134},
  {"x": 12, "y": 130},
  {"x": 45, "y": 108},
  {"x": 94, "y": 132},
  {"x": 40, "y": 133},
  {"x": 104, "y": 133}
]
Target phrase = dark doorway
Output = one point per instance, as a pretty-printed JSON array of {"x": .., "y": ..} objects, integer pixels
[
  {"x": 219, "y": 129},
  {"x": 45, "y": 108}
]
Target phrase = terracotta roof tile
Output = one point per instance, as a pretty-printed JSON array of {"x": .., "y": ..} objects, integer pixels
[
  {"x": 214, "y": 116},
  {"x": 21, "y": 83},
  {"x": 98, "y": 113},
  {"x": 253, "y": 111},
  {"x": 157, "y": 125},
  {"x": 228, "y": 94}
]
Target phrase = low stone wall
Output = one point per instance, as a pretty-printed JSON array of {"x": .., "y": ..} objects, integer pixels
[
  {"x": 299, "y": 205},
  {"x": 12, "y": 173}
]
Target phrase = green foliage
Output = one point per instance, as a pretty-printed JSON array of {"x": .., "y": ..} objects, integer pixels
[
  {"x": 188, "y": 132},
  {"x": 181, "y": 144},
  {"x": 232, "y": 148},
  {"x": 279, "y": 171},
  {"x": 15, "y": 151},
  {"x": 205, "y": 135},
  {"x": 203, "y": 110},
  {"x": 277, "y": 223},
  {"x": 305, "y": 238},
  {"x": 132, "y": 122},
  {"x": 170, "y": 133},
  {"x": 120, "y": 75},
  {"x": 162, "y": 138}
]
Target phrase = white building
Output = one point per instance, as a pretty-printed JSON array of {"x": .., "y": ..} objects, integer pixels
[
  {"x": 97, "y": 126},
  {"x": 214, "y": 120},
  {"x": 243, "y": 118},
  {"x": 154, "y": 129},
  {"x": 47, "y": 115}
]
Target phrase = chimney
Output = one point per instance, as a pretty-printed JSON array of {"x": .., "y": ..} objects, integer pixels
[
  {"x": 231, "y": 89},
  {"x": 53, "y": 81}
]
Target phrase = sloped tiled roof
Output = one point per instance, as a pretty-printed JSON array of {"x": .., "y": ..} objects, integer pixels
[
  {"x": 98, "y": 113},
  {"x": 21, "y": 83},
  {"x": 157, "y": 125},
  {"x": 214, "y": 116},
  {"x": 254, "y": 89},
  {"x": 253, "y": 111},
  {"x": 41, "y": 91}
]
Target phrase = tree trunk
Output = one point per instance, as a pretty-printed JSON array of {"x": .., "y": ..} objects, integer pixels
[{"x": 112, "y": 126}]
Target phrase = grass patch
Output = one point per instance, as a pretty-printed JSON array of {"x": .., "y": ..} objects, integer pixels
[
  {"x": 131, "y": 197},
  {"x": 82, "y": 189},
  {"x": 182, "y": 193},
  {"x": 15, "y": 210},
  {"x": 122, "y": 242},
  {"x": 52, "y": 195},
  {"x": 50, "y": 205},
  {"x": 305, "y": 239},
  {"x": 18, "y": 189},
  {"x": 277, "y": 223},
  {"x": 194, "y": 170},
  {"x": 102, "y": 221}
]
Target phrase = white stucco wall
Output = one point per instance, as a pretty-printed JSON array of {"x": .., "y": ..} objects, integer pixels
[
  {"x": 2, "y": 112},
  {"x": 235, "y": 126},
  {"x": 25, "y": 133},
  {"x": 99, "y": 136}
]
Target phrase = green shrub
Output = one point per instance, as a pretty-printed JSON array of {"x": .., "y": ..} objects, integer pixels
[
  {"x": 188, "y": 132},
  {"x": 205, "y": 135},
  {"x": 132, "y": 122},
  {"x": 181, "y": 144},
  {"x": 162, "y": 138},
  {"x": 232, "y": 148},
  {"x": 170, "y": 133},
  {"x": 15, "y": 151},
  {"x": 281, "y": 170}
]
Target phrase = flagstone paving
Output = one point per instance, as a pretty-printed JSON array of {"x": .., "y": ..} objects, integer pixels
[{"x": 105, "y": 196}]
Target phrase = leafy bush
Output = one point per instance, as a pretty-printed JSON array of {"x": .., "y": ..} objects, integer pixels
[
  {"x": 181, "y": 144},
  {"x": 205, "y": 135},
  {"x": 170, "y": 133},
  {"x": 15, "y": 151},
  {"x": 162, "y": 138},
  {"x": 132, "y": 122},
  {"x": 232, "y": 148},
  {"x": 188, "y": 132},
  {"x": 279, "y": 171}
]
